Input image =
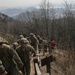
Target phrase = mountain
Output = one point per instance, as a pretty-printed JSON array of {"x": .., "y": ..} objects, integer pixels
[
  {"x": 16, "y": 11},
  {"x": 12, "y": 11},
  {"x": 4, "y": 17}
]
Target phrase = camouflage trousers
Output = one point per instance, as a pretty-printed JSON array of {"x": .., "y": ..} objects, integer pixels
[
  {"x": 14, "y": 70},
  {"x": 26, "y": 69}
]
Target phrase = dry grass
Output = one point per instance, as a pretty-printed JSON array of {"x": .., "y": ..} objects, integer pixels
[{"x": 65, "y": 62}]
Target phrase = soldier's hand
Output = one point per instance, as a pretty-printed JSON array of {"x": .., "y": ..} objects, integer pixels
[
  {"x": 37, "y": 54},
  {"x": 21, "y": 72}
]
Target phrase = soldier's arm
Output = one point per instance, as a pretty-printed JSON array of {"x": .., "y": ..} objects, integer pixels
[
  {"x": 2, "y": 69},
  {"x": 37, "y": 41},
  {"x": 16, "y": 57},
  {"x": 33, "y": 50}
]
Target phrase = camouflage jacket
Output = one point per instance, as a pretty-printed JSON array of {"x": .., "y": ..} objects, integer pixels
[
  {"x": 25, "y": 55},
  {"x": 9, "y": 56}
]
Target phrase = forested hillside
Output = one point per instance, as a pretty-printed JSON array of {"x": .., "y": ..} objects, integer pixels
[{"x": 45, "y": 22}]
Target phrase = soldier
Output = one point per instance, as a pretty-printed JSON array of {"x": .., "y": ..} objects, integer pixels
[
  {"x": 15, "y": 45},
  {"x": 20, "y": 36},
  {"x": 10, "y": 59},
  {"x": 24, "y": 51},
  {"x": 49, "y": 46},
  {"x": 33, "y": 41},
  {"x": 40, "y": 39},
  {"x": 40, "y": 43},
  {"x": 52, "y": 44},
  {"x": 45, "y": 43}
]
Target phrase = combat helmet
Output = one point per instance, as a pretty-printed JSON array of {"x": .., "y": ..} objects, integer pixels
[
  {"x": 21, "y": 36},
  {"x": 31, "y": 34},
  {"x": 24, "y": 41}
]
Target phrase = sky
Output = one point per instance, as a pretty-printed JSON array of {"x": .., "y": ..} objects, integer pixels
[{"x": 27, "y": 3}]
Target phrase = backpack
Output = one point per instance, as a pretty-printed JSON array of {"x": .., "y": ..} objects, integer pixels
[{"x": 52, "y": 43}]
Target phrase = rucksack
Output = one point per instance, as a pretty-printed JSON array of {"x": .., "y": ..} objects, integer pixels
[{"x": 52, "y": 43}]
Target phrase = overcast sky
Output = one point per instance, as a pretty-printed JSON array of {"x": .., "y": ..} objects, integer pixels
[{"x": 26, "y": 3}]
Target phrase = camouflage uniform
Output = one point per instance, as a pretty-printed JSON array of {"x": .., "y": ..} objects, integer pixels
[
  {"x": 45, "y": 44},
  {"x": 33, "y": 41},
  {"x": 19, "y": 38},
  {"x": 25, "y": 57},
  {"x": 10, "y": 59},
  {"x": 40, "y": 42},
  {"x": 14, "y": 45},
  {"x": 2, "y": 69}
]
